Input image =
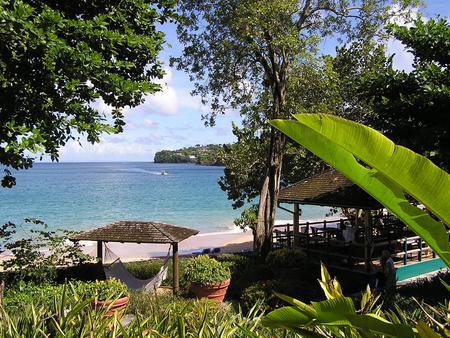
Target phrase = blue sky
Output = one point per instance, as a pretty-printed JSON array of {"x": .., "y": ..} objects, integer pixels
[{"x": 171, "y": 119}]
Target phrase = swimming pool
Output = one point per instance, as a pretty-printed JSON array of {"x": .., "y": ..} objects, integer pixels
[{"x": 417, "y": 269}]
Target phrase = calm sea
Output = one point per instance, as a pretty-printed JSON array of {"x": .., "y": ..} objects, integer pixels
[{"x": 82, "y": 196}]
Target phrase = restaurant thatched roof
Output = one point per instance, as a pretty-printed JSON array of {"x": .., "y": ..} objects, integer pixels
[
  {"x": 329, "y": 188},
  {"x": 137, "y": 232}
]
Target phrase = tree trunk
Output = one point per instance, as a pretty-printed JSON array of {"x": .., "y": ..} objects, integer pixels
[{"x": 268, "y": 201}]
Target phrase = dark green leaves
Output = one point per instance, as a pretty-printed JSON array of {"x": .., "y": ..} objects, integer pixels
[{"x": 58, "y": 57}]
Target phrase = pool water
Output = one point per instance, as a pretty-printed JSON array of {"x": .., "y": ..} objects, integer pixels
[{"x": 417, "y": 269}]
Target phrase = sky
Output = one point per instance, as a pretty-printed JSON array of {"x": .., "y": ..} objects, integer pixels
[{"x": 171, "y": 119}]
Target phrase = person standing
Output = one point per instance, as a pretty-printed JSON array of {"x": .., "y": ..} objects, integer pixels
[{"x": 390, "y": 276}]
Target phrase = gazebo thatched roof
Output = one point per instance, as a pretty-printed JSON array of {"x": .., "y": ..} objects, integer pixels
[
  {"x": 329, "y": 188},
  {"x": 137, "y": 232}
]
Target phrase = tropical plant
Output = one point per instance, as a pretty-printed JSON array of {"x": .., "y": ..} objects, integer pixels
[
  {"x": 23, "y": 294},
  {"x": 337, "y": 316},
  {"x": 204, "y": 270},
  {"x": 392, "y": 174},
  {"x": 104, "y": 289},
  {"x": 71, "y": 315},
  {"x": 37, "y": 256}
]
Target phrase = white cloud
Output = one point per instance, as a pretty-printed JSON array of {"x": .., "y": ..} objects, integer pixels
[
  {"x": 102, "y": 107},
  {"x": 150, "y": 124},
  {"x": 403, "y": 59},
  {"x": 106, "y": 150},
  {"x": 164, "y": 102}
]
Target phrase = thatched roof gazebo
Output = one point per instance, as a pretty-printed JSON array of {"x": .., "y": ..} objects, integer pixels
[
  {"x": 140, "y": 232},
  {"x": 329, "y": 188},
  {"x": 332, "y": 189}
]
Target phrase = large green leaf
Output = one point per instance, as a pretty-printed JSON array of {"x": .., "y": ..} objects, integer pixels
[
  {"x": 287, "y": 317},
  {"x": 425, "y": 331},
  {"x": 334, "y": 311},
  {"x": 306, "y": 309},
  {"x": 417, "y": 175},
  {"x": 379, "y": 325},
  {"x": 328, "y": 137}
]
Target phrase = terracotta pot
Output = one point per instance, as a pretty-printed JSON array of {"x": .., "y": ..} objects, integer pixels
[
  {"x": 117, "y": 305},
  {"x": 213, "y": 291}
]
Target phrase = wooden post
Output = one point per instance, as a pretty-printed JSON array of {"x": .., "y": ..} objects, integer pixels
[
  {"x": 405, "y": 248},
  {"x": 296, "y": 225},
  {"x": 366, "y": 239},
  {"x": 288, "y": 227},
  {"x": 420, "y": 249},
  {"x": 176, "y": 273},
  {"x": 99, "y": 251},
  {"x": 307, "y": 238}
]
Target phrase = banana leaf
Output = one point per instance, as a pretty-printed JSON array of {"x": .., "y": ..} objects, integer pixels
[
  {"x": 287, "y": 317},
  {"x": 379, "y": 325},
  {"x": 344, "y": 144}
]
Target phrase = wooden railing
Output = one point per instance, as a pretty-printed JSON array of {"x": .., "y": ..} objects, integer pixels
[{"x": 325, "y": 238}]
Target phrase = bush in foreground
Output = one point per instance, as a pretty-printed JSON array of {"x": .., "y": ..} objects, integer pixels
[{"x": 68, "y": 314}]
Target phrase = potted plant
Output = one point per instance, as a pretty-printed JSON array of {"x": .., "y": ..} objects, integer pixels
[
  {"x": 110, "y": 295},
  {"x": 207, "y": 277}
]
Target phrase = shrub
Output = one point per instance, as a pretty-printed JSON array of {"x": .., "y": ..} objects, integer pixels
[
  {"x": 29, "y": 293},
  {"x": 145, "y": 269},
  {"x": 203, "y": 270},
  {"x": 155, "y": 316},
  {"x": 263, "y": 291},
  {"x": 43, "y": 295},
  {"x": 102, "y": 290},
  {"x": 286, "y": 258},
  {"x": 37, "y": 256},
  {"x": 257, "y": 292}
]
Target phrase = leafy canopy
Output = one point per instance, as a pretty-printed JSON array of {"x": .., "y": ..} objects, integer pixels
[
  {"x": 412, "y": 108},
  {"x": 57, "y": 58}
]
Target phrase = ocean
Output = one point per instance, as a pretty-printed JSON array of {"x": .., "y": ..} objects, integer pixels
[{"x": 82, "y": 196}]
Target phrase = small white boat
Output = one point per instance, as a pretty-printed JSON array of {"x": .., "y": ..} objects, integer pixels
[{"x": 163, "y": 172}]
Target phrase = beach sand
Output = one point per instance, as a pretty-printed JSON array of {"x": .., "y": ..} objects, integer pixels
[{"x": 227, "y": 241}]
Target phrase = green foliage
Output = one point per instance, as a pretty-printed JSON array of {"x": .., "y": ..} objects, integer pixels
[
  {"x": 393, "y": 171},
  {"x": 286, "y": 258},
  {"x": 261, "y": 58},
  {"x": 264, "y": 292},
  {"x": 42, "y": 295},
  {"x": 103, "y": 290},
  {"x": 36, "y": 258},
  {"x": 71, "y": 315},
  {"x": 25, "y": 294},
  {"x": 255, "y": 293},
  {"x": 416, "y": 101},
  {"x": 58, "y": 58},
  {"x": 248, "y": 218},
  {"x": 336, "y": 316},
  {"x": 210, "y": 154},
  {"x": 145, "y": 269},
  {"x": 203, "y": 270}
]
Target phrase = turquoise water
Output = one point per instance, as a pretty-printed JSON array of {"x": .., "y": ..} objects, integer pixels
[
  {"x": 80, "y": 196},
  {"x": 417, "y": 269}
]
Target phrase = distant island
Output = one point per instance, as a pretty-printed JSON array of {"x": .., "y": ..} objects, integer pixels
[{"x": 211, "y": 154}]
